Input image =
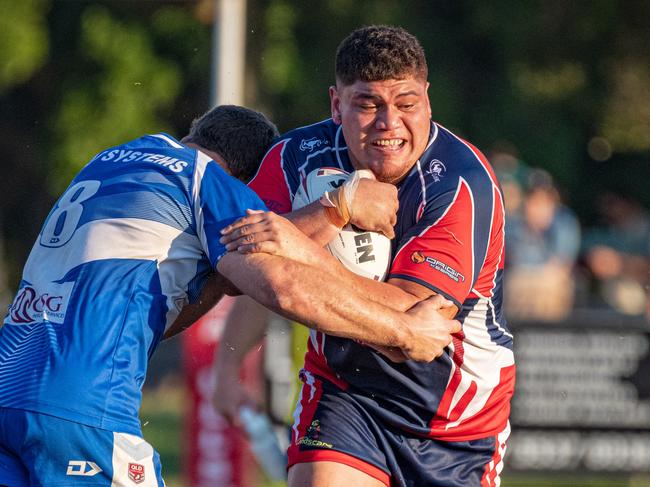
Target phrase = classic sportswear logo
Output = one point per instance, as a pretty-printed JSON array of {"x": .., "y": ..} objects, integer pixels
[
  {"x": 31, "y": 305},
  {"x": 82, "y": 468}
]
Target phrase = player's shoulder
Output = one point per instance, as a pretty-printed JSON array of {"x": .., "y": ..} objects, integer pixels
[
  {"x": 453, "y": 158},
  {"x": 160, "y": 152},
  {"x": 310, "y": 139}
]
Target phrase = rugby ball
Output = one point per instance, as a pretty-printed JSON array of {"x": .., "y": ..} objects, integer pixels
[{"x": 364, "y": 253}]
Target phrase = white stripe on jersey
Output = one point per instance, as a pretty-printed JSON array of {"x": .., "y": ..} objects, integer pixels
[
  {"x": 171, "y": 142},
  {"x": 175, "y": 252},
  {"x": 313, "y": 338},
  {"x": 423, "y": 185},
  {"x": 311, "y": 383},
  {"x": 337, "y": 148},
  {"x": 202, "y": 161},
  {"x": 482, "y": 362},
  {"x": 473, "y": 227},
  {"x": 499, "y": 455}
]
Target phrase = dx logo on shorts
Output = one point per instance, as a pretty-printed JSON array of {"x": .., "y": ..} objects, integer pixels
[{"x": 83, "y": 468}]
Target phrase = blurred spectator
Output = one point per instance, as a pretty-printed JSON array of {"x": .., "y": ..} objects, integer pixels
[
  {"x": 617, "y": 254},
  {"x": 543, "y": 241},
  {"x": 511, "y": 172}
]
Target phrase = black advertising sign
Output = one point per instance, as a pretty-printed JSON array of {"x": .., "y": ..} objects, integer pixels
[{"x": 582, "y": 399}]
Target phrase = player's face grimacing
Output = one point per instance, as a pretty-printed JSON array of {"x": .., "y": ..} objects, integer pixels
[{"x": 386, "y": 124}]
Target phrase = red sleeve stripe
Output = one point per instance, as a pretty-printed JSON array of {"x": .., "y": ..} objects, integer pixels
[
  {"x": 449, "y": 238},
  {"x": 274, "y": 148},
  {"x": 494, "y": 262},
  {"x": 271, "y": 183},
  {"x": 475, "y": 269},
  {"x": 499, "y": 264},
  {"x": 497, "y": 196},
  {"x": 432, "y": 225}
]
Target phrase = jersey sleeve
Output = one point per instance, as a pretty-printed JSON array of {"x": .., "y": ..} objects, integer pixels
[
  {"x": 276, "y": 178},
  {"x": 218, "y": 200},
  {"x": 446, "y": 247}
]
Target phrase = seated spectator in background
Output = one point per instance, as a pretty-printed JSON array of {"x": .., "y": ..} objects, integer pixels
[
  {"x": 617, "y": 254},
  {"x": 542, "y": 241}
]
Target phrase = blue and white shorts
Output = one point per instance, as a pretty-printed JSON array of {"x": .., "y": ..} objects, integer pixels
[{"x": 41, "y": 450}]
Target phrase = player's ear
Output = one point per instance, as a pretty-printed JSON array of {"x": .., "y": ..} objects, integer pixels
[{"x": 335, "y": 105}]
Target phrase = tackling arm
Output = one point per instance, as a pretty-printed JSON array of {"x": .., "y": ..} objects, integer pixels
[
  {"x": 299, "y": 293},
  {"x": 273, "y": 234},
  {"x": 323, "y": 296}
]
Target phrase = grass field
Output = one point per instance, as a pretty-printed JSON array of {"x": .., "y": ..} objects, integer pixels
[{"x": 162, "y": 411}]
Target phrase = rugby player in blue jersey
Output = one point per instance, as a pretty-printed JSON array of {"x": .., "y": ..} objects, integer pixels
[
  {"x": 121, "y": 261},
  {"x": 365, "y": 415}
]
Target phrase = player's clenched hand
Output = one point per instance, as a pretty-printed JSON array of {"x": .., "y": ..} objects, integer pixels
[
  {"x": 229, "y": 396},
  {"x": 265, "y": 231},
  {"x": 374, "y": 207},
  {"x": 430, "y": 331}
]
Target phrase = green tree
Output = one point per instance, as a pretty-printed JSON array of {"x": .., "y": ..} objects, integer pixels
[{"x": 23, "y": 40}]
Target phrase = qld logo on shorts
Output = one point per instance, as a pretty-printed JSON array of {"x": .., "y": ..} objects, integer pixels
[
  {"x": 31, "y": 305},
  {"x": 136, "y": 473}
]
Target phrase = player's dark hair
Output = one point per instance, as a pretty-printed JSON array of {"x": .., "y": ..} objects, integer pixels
[
  {"x": 238, "y": 134},
  {"x": 377, "y": 53}
]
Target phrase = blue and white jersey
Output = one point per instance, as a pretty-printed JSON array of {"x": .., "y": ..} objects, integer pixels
[{"x": 127, "y": 245}]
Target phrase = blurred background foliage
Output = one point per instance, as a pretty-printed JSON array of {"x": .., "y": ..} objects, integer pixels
[{"x": 565, "y": 84}]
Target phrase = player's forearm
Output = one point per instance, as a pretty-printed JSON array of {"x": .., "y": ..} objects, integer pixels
[
  {"x": 319, "y": 300},
  {"x": 244, "y": 328},
  {"x": 384, "y": 293},
  {"x": 311, "y": 220}
]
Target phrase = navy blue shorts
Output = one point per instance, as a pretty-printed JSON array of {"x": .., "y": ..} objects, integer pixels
[
  {"x": 332, "y": 425},
  {"x": 41, "y": 450}
]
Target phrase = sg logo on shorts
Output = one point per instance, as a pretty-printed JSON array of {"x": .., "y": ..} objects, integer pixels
[{"x": 136, "y": 473}]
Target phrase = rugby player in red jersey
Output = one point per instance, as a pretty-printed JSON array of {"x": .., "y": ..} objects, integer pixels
[{"x": 366, "y": 415}]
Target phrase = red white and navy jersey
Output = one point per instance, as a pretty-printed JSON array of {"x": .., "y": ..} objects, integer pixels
[{"x": 449, "y": 238}]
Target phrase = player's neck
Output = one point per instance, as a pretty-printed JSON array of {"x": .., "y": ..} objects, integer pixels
[{"x": 211, "y": 154}]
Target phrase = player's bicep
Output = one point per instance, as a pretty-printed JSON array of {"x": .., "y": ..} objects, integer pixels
[{"x": 420, "y": 293}]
